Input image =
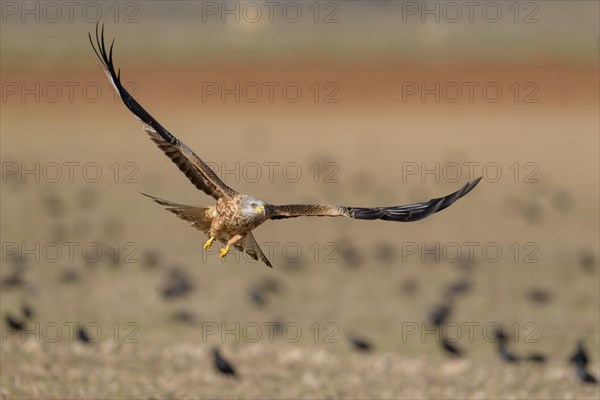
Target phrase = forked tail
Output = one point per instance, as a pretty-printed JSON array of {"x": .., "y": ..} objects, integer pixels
[{"x": 199, "y": 216}]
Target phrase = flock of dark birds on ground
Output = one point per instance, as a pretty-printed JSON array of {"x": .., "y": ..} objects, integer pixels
[{"x": 178, "y": 284}]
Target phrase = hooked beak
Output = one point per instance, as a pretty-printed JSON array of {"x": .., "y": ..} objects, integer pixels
[{"x": 260, "y": 209}]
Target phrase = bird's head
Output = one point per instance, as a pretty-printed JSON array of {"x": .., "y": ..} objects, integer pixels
[{"x": 253, "y": 207}]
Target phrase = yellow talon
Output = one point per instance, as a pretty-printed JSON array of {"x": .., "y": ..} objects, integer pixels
[
  {"x": 208, "y": 243},
  {"x": 224, "y": 251}
]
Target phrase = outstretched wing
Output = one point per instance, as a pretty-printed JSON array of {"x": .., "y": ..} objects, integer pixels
[
  {"x": 188, "y": 162},
  {"x": 249, "y": 245},
  {"x": 405, "y": 213}
]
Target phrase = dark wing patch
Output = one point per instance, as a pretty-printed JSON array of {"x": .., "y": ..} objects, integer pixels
[
  {"x": 412, "y": 212},
  {"x": 249, "y": 245},
  {"x": 196, "y": 170},
  {"x": 404, "y": 213}
]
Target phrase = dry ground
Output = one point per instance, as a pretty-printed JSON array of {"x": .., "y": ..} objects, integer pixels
[{"x": 369, "y": 134}]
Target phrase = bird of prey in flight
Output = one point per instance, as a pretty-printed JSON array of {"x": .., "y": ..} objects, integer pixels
[{"x": 235, "y": 215}]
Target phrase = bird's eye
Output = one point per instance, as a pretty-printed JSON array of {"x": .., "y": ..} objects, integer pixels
[{"x": 253, "y": 205}]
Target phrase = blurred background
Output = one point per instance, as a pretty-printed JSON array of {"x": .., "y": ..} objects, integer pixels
[{"x": 364, "y": 103}]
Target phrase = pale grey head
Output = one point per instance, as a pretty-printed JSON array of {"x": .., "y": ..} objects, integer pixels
[{"x": 255, "y": 209}]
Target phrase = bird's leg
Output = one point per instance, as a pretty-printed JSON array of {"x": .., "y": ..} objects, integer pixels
[
  {"x": 231, "y": 241},
  {"x": 208, "y": 243}
]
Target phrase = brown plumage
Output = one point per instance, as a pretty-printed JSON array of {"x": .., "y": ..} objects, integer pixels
[{"x": 235, "y": 215}]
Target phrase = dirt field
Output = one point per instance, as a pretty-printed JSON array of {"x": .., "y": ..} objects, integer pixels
[{"x": 371, "y": 279}]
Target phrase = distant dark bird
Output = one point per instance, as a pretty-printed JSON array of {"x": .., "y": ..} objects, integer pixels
[
  {"x": 178, "y": 284},
  {"x": 258, "y": 293},
  {"x": 508, "y": 356},
  {"x": 257, "y": 296},
  {"x": 439, "y": 315},
  {"x": 151, "y": 258},
  {"x": 450, "y": 348},
  {"x": 587, "y": 260},
  {"x": 361, "y": 344},
  {"x": 15, "y": 279},
  {"x": 539, "y": 295},
  {"x": 184, "y": 316},
  {"x": 27, "y": 311},
  {"x": 466, "y": 264},
  {"x": 536, "y": 357},
  {"x": 499, "y": 334},
  {"x": 277, "y": 325},
  {"x": 82, "y": 336},
  {"x": 221, "y": 364},
  {"x": 532, "y": 212},
  {"x": 53, "y": 204},
  {"x": 13, "y": 323},
  {"x": 70, "y": 275},
  {"x": 350, "y": 255},
  {"x": 460, "y": 287},
  {"x": 409, "y": 286},
  {"x": 505, "y": 354},
  {"x": 580, "y": 360},
  {"x": 270, "y": 285},
  {"x": 580, "y": 356},
  {"x": 562, "y": 200},
  {"x": 584, "y": 374}
]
